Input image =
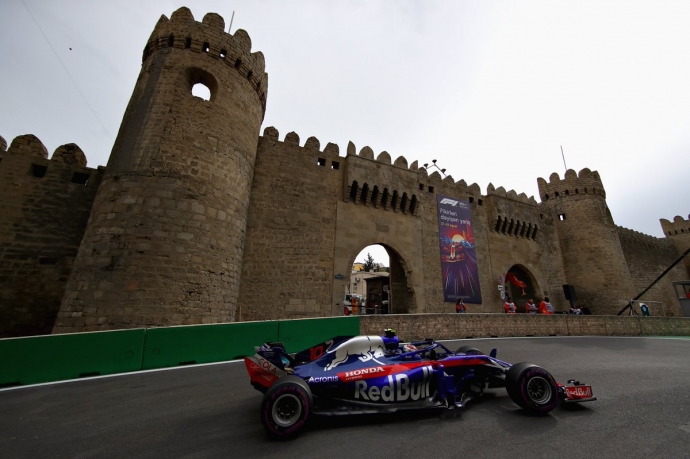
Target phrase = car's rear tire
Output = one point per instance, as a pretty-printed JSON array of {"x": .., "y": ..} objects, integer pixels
[
  {"x": 285, "y": 407},
  {"x": 532, "y": 388},
  {"x": 469, "y": 350}
]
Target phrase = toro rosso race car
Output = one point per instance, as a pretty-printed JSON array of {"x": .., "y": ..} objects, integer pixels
[{"x": 378, "y": 374}]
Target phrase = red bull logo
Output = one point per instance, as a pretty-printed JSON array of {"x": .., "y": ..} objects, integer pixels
[
  {"x": 399, "y": 388},
  {"x": 578, "y": 391},
  {"x": 365, "y": 348}
]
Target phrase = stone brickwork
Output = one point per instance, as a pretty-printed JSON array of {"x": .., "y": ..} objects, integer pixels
[
  {"x": 678, "y": 231},
  {"x": 200, "y": 219},
  {"x": 44, "y": 207},
  {"x": 647, "y": 257},
  {"x": 458, "y": 326},
  {"x": 593, "y": 257},
  {"x": 288, "y": 267}
]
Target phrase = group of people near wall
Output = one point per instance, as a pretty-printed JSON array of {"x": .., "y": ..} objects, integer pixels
[{"x": 545, "y": 307}]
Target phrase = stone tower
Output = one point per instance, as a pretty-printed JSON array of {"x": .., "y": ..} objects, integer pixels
[
  {"x": 678, "y": 231},
  {"x": 592, "y": 255},
  {"x": 165, "y": 238}
]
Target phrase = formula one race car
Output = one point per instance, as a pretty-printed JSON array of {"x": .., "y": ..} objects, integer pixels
[{"x": 378, "y": 374}]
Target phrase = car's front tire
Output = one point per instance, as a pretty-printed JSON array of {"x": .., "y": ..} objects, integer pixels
[
  {"x": 532, "y": 388},
  {"x": 285, "y": 407}
]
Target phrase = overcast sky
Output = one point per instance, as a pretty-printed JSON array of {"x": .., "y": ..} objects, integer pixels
[{"x": 491, "y": 89}]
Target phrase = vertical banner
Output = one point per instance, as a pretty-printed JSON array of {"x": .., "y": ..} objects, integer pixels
[{"x": 458, "y": 254}]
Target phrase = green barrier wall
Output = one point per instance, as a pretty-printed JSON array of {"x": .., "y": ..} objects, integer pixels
[
  {"x": 47, "y": 358},
  {"x": 301, "y": 334},
  {"x": 173, "y": 346}
]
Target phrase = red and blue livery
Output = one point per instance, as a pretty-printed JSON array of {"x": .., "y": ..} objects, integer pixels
[{"x": 378, "y": 374}]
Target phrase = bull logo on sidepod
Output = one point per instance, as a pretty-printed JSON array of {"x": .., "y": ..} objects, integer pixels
[{"x": 364, "y": 347}]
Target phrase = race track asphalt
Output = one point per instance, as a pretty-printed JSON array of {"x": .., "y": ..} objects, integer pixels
[{"x": 643, "y": 411}]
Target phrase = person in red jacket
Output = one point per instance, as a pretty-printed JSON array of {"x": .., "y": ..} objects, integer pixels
[
  {"x": 509, "y": 306},
  {"x": 460, "y": 306},
  {"x": 530, "y": 307},
  {"x": 545, "y": 307}
]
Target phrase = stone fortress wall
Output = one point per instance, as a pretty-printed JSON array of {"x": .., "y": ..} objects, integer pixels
[
  {"x": 200, "y": 219},
  {"x": 44, "y": 206}
]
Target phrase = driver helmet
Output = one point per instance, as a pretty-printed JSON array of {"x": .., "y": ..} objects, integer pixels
[{"x": 409, "y": 348}]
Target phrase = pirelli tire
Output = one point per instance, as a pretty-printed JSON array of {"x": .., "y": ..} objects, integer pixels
[
  {"x": 532, "y": 388},
  {"x": 469, "y": 350},
  {"x": 285, "y": 408}
]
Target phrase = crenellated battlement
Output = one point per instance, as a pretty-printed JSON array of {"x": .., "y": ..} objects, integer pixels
[
  {"x": 27, "y": 159},
  {"x": 30, "y": 146},
  {"x": 637, "y": 238},
  {"x": 512, "y": 194},
  {"x": 183, "y": 32},
  {"x": 678, "y": 226},
  {"x": 332, "y": 151},
  {"x": 586, "y": 182}
]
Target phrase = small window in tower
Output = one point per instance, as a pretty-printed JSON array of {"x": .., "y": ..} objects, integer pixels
[
  {"x": 188, "y": 42},
  {"x": 38, "y": 170},
  {"x": 546, "y": 197},
  {"x": 171, "y": 40},
  {"x": 577, "y": 191},
  {"x": 321, "y": 162},
  {"x": 541, "y": 216},
  {"x": 249, "y": 75},
  {"x": 567, "y": 193},
  {"x": 80, "y": 178},
  {"x": 480, "y": 202},
  {"x": 201, "y": 83},
  {"x": 561, "y": 217},
  {"x": 394, "y": 200},
  {"x": 335, "y": 165},
  {"x": 238, "y": 63},
  {"x": 556, "y": 194},
  {"x": 201, "y": 90},
  {"x": 431, "y": 189},
  {"x": 223, "y": 54},
  {"x": 471, "y": 199},
  {"x": 205, "y": 47},
  {"x": 353, "y": 191},
  {"x": 421, "y": 187}
]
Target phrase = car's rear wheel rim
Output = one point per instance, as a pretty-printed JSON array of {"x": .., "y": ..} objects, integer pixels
[
  {"x": 539, "y": 390},
  {"x": 287, "y": 409}
]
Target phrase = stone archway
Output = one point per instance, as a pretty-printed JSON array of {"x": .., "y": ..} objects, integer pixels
[
  {"x": 520, "y": 294},
  {"x": 401, "y": 294}
]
